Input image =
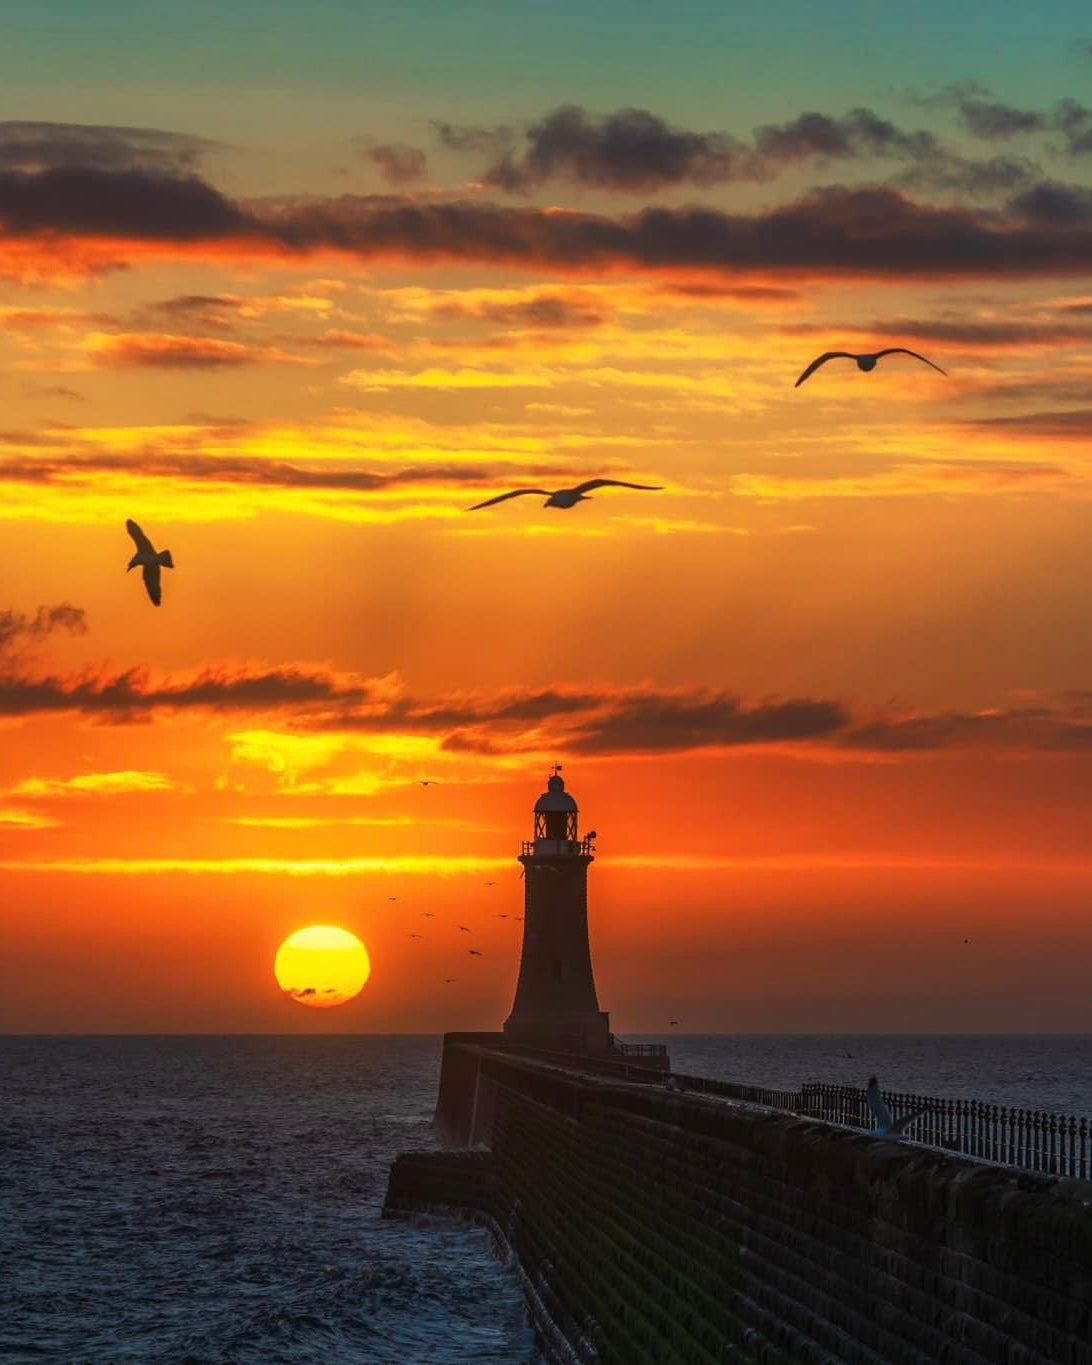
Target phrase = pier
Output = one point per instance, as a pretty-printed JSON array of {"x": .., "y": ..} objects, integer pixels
[{"x": 656, "y": 1225}]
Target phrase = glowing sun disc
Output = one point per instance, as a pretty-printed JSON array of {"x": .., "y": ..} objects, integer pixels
[{"x": 322, "y": 966}]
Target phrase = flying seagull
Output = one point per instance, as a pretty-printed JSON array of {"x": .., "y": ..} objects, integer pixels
[
  {"x": 427, "y": 782},
  {"x": 462, "y": 929},
  {"x": 413, "y": 935},
  {"x": 473, "y": 952},
  {"x": 568, "y": 497},
  {"x": 864, "y": 362},
  {"x": 886, "y": 1125},
  {"x": 449, "y": 980},
  {"x": 149, "y": 559}
]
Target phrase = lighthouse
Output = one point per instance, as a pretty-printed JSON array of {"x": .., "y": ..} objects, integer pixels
[{"x": 556, "y": 1004}]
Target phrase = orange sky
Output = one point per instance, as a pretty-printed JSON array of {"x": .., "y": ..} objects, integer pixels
[{"x": 826, "y": 697}]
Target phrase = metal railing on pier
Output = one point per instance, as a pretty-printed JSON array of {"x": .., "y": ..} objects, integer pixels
[{"x": 1054, "y": 1144}]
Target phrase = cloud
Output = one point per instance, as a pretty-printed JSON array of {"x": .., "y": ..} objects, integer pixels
[
  {"x": 1063, "y": 424},
  {"x": 631, "y": 149},
  {"x": 123, "y": 783},
  {"x": 120, "y": 204},
  {"x": 1028, "y": 729},
  {"x": 248, "y": 472},
  {"x": 972, "y": 334},
  {"x": 135, "y": 693},
  {"x": 11, "y": 817},
  {"x": 537, "y": 308},
  {"x": 34, "y": 147},
  {"x": 1051, "y": 202},
  {"x": 95, "y": 220},
  {"x": 54, "y": 391},
  {"x": 18, "y": 630},
  {"x": 860, "y": 133},
  {"x": 995, "y": 122},
  {"x": 635, "y": 150},
  {"x": 649, "y": 724},
  {"x": 158, "y": 350},
  {"x": 324, "y": 717},
  {"x": 398, "y": 163}
]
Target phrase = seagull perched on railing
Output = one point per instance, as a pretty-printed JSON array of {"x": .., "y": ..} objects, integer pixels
[
  {"x": 149, "y": 559},
  {"x": 886, "y": 1125},
  {"x": 865, "y": 362},
  {"x": 568, "y": 497}
]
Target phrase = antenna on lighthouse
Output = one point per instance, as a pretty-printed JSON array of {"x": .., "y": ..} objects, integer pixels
[{"x": 556, "y": 770}]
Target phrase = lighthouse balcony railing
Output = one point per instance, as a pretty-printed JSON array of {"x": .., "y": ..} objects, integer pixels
[
  {"x": 641, "y": 1049},
  {"x": 567, "y": 848}
]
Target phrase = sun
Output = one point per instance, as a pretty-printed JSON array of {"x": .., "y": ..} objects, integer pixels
[{"x": 322, "y": 966}]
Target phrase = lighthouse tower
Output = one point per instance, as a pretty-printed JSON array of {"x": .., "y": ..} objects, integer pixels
[{"x": 556, "y": 1004}]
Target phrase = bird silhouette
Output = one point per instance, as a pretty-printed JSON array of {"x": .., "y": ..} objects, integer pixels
[
  {"x": 865, "y": 362},
  {"x": 428, "y": 782},
  {"x": 886, "y": 1124},
  {"x": 449, "y": 980},
  {"x": 150, "y": 559},
  {"x": 491, "y": 883},
  {"x": 473, "y": 952},
  {"x": 567, "y": 497},
  {"x": 427, "y": 914},
  {"x": 392, "y": 898},
  {"x": 413, "y": 935},
  {"x": 462, "y": 929},
  {"x": 673, "y": 1023},
  {"x": 518, "y": 919},
  {"x": 502, "y": 917}
]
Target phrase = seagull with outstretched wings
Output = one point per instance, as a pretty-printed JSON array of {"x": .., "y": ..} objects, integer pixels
[
  {"x": 865, "y": 362},
  {"x": 886, "y": 1124},
  {"x": 567, "y": 497},
  {"x": 150, "y": 561}
]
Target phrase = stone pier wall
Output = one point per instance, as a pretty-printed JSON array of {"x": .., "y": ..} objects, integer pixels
[{"x": 652, "y": 1226}]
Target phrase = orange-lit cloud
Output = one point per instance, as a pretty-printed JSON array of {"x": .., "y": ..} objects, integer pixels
[{"x": 65, "y": 219}]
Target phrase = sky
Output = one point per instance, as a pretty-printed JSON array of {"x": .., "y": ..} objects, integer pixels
[{"x": 296, "y": 287}]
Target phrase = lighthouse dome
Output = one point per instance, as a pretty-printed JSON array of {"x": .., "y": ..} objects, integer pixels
[{"x": 555, "y": 798}]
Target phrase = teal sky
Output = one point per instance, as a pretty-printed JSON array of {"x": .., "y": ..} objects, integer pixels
[{"x": 286, "y": 68}]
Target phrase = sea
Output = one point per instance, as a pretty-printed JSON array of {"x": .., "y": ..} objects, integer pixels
[{"x": 216, "y": 1200}]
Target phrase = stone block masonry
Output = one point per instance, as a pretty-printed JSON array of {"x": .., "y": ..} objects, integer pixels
[{"x": 652, "y": 1226}]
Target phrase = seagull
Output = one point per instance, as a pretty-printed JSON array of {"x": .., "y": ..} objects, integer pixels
[
  {"x": 673, "y": 1023},
  {"x": 149, "y": 559},
  {"x": 449, "y": 980},
  {"x": 462, "y": 929},
  {"x": 864, "y": 362},
  {"x": 473, "y": 952},
  {"x": 502, "y": 917},
  {"x": 886, "y": 1126},
  {"x": 518, "y": 919},
  {"x": 568, "y": 497},
  {"x": 413, "y": 935},
  {"x": 427, "y": 782},
  {"x": 491, "y": 883},
  {"x": 427, "y": 914},
  {"x": 392, "y": 898}
]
